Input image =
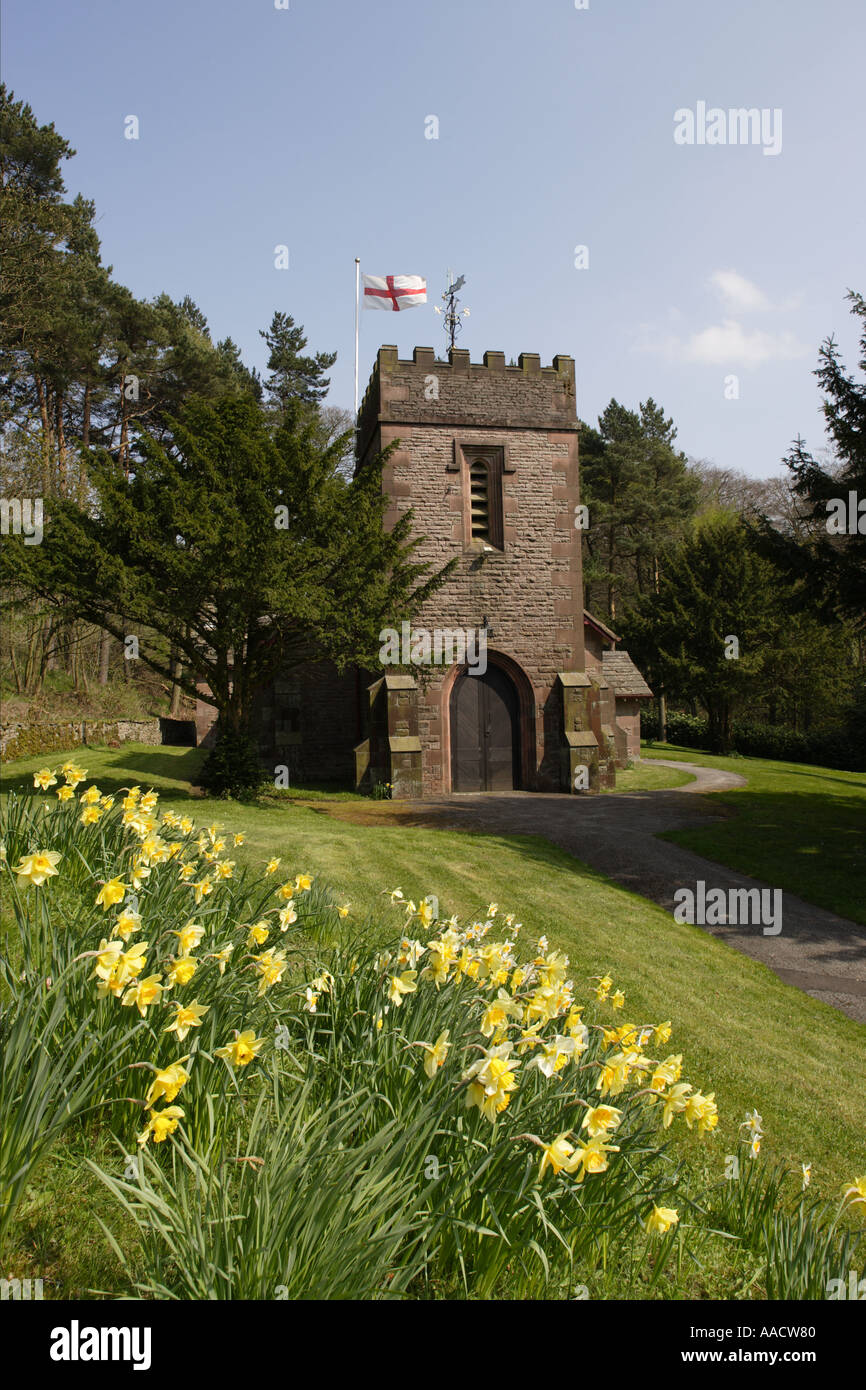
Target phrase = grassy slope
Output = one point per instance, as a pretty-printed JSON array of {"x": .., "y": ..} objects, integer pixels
[
  {"x": 798, "y": 827},
  {"x": 744, "y": 1034}
]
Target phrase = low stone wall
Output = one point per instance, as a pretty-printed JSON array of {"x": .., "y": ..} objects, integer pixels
[{"x": 23, "y": 740}]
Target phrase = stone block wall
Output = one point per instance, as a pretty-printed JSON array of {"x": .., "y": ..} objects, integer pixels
[{"x": 531, "y": 589}]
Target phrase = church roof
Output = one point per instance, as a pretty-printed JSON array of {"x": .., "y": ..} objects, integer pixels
[
  {"x": 599, "y": 626},
  {"x": 621, "y": 673}
]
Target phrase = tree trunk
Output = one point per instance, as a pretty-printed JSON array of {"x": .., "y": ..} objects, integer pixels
[
  {"x": 663, "y": 718},
  {"x": 46, "y": 435},
  {"x": 61, "y": 445},
  {"x": 104, "y": 656},
  {"x": 176, "y": 692}
]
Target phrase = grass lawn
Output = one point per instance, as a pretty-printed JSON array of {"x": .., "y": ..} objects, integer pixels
[
  {"x": 743, "y": 1033},
  {"x": 798, "y": 827}
]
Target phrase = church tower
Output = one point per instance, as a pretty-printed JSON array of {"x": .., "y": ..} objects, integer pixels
[{"x": 487, "y": 459}]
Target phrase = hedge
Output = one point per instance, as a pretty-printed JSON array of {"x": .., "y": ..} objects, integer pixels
[{"x": 837, "y": 748}]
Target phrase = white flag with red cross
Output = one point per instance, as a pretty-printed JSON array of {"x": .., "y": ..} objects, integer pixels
[{"x": 394, "y": 292}]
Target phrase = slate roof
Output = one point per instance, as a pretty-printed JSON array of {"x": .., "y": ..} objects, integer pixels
[
  {"x": 621, "y": 673},
  {"x": 599, "y": 626}
]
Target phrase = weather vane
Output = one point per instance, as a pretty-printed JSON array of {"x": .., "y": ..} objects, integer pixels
[{"x": 453, "y": 316}]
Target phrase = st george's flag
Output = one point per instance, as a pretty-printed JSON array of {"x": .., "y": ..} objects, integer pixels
[{"x": 394, "y": 292}]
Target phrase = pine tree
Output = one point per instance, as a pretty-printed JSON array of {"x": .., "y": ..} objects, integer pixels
[
  {"x": 295, "y": 380},
  {"x": 830, "y": 559}
]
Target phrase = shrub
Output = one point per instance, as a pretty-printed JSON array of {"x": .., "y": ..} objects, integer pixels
[{"x": 829, "y": 748}]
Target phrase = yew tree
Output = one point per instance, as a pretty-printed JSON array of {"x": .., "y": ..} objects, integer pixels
[{"x": 247, "y": 548}]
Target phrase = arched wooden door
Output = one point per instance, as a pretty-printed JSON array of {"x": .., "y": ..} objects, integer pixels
[{"x": 484, "y": 733}]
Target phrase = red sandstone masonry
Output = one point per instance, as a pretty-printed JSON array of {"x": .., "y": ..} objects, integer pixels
[{"x": 531, "y": 592}]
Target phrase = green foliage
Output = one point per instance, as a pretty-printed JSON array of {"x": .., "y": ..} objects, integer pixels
[
  {"x": 296, "y": 380},
  {"x": 232, "y": 767},
  {"x": 831, "y": 565},
  {"x": 833, "y": 748},
  {"x": 243, "y": 550},
  {"x": 714, "y": 587},
  {"x": 640, "y": 495}
]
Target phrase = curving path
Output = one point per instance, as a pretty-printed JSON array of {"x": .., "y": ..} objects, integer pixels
[{"x": 816, "y": 951}]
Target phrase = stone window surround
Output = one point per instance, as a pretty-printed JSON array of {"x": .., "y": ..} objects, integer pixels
[{"x": 467, "y": 452}]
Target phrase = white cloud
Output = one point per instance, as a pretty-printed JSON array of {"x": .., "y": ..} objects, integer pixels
[
  {"x": 724, "y": 344},
  {"x": 738, "y": 294},
  {"x": 728, "y": 343}
]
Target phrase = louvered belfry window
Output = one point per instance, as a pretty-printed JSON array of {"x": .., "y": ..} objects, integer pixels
[
  {"x": 479, "y": 491},
  {"x": 484, "y": 466}
]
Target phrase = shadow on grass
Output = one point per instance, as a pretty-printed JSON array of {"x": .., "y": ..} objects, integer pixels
[{"x": 173, "y": 772}]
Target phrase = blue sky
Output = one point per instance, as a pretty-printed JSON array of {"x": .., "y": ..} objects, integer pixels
[{"x": 306, "y": 127}]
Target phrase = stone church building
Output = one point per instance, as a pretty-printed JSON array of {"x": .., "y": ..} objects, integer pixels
[{"x": 487, "y": 459}]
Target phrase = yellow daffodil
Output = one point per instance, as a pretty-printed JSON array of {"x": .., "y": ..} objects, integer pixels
[
  {"x": 675, "y": 1102},
  {"x": 143, "y": 993},
  {"x": 115, "y": 967},
  {"x": 90, "y": 815},
  {"x": 44, "y": 779},
  {"x": 181, "y": 971},
  {"x": 272, "y": 866},
  {"x": 701, "y": 1110},
  {"x": 666, "y": 1073},
  {"x": 856, "y": 1193},
  {"x": 425, "y": 914},
  {"x": 73, "y": 774},
  {"x": 271, "y": 965},
  {"x": 287, "y": 915},
  {"x": 91, "y": 796},
  {"x": 436, "y": 1053},
  {"x": 202, "y": 888},
  {"x": 258, "y": 934},
  {"x": 114, "y": 891},
  {"x": 189, "y": 937},
  {"x": 223, "y": 957},
  {"x": 303, "y": 883},
  {"x": 64, "y": 793},
  {"x": 238, "y": 839},
  {"x": 591, "y": 1157},
  {"x": 492, "y": 1080},
  {"x": 401, "y": 985},
  {"x": 343, "y": 911},
  {"x": 660, "y": 1220},
  {"x": 36, "y": 868},
  {"x": 161, "y": 1124},
  {"x": 243, "y": 1050},
  {"x": 600, "y": 1120},
  {"x": 187, "y": 1016},
  {"x": 167, "y": 1082},
  {"x": 554, "y": 1055},
  {"x": 556, "y": 1156}
]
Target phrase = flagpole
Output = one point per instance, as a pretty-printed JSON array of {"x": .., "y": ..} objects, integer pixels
[{"x": 357, "y": 294}]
